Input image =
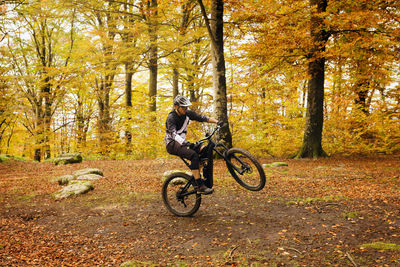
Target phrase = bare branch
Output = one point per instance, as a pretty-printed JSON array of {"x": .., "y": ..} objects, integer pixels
[{"x": 207, "y": 21}]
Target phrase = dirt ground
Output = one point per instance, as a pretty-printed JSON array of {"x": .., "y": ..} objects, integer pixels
[{"x": 311, "y": 213}]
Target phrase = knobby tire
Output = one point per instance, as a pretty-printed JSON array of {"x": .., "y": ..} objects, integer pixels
[
  {"x": 253, "y": 178},
  {"x": 174, "y": 184}
]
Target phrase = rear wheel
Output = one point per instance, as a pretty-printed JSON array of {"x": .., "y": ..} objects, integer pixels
[
  {"x": 179, "y": 195},
  {"x": 245, "y": 168}
]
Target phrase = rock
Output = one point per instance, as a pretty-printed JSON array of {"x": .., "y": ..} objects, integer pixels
[
  {"x": 65, "y": 179},
  {"x": 168, "y": 173},
  {"x": 6, "y": 157},
  {"x": 3, "y": 158},
  {"x": 88, "y": 174},
  {"x": 74, "y": 188},
  {"x": 67, "y": 159},
  {"x": 89, "y": 177},
  {"x": 79, "y": 183},
  {"x": 179, "y": 181},
  {"x": 88, "y": 171},
  {"x": 275, "y": 164}
]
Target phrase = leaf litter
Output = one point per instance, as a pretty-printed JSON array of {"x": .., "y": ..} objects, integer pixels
[{"x": 311, "y": 213}]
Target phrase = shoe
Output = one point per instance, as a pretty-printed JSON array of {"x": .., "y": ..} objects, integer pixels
[{"x": 203, "y": 189}]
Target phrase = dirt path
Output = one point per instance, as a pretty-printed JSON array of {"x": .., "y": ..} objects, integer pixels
[{"x": 311, "y": 213}]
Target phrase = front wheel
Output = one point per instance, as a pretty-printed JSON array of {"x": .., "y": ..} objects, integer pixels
[
  {"x": 245, "y": 168},
  {"x": 179, "y": 195}
]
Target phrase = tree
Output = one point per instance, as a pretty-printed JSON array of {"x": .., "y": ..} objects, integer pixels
[
  {"x": 191, "y": 56},
  {"x": 277, "y": 54},
  {"x": 103, "y": 17},
  {"x": 150, "y": 14},
  {"x": 83, "y": 108},
  {"x": 312, "y": 141},
  {"x": 40, "y": 61},
  {"x": 177, "y": 57},
  {"x": 130, "y": 57},
  {"x": 216, "y": 34},
  {"x": 8, "y": 108}
]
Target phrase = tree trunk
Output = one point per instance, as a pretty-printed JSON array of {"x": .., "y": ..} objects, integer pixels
[
  {"x": 153, "y": 68},
  {"x": 361, "y": 100},
  {"x": 186, "y": 9},
  {"x": 38, "y": 130},
  {"x": 218, "y": 62},
  {"x": 128, "y": 105},
  {"x": 216, "y": 32},
  {"x": 47, "y": 118},
  {"x": 129, "y": 41},
  {"x": 175, "y": 82},
  {"x": 153, "y": 57},
  {"x": 80, "y": 121},
  {"x": 312, "y": 146},
  {"x": 362, "y": 86},
  {"x": 108, "y": 25},
  {"x": 104, "y": 126}
]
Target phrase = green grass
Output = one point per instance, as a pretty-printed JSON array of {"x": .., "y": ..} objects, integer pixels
[
  {"x": 4, "y": 158},
  {"x": 26, "y": 197},
  {"x": 146, "y": 195},
  {"x": 381, "y": 246},
  {"x": 309, "y": 200},
  {"x": 17, "y": 191},
  {"x": 351, "y": 214},
  {"x": 391, "y": 169},
  {"x": 275, "y": 164},
  {"x": 135, "y": 263},
  {"x": 120, "y": 199}
]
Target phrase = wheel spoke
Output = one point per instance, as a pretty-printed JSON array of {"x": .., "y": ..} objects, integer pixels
[
  {"x": 179, "y": 195},
  {"x": 246, "y": 170}
]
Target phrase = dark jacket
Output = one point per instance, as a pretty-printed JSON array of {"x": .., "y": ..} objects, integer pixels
[{"x": 176, "y": 126}]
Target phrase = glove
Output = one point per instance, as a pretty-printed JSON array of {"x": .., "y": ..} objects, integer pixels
[{"x": 221, "y": 124}]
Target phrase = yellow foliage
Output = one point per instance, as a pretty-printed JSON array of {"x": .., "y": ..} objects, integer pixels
[
  {"x": 266, "y": 75},
  {"x": 361, "y": 134}
]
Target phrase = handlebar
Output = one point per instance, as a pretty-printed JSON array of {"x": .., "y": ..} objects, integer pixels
[{"x": 208, "y": 136}]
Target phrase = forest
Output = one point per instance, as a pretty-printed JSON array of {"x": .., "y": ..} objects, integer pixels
[
  {"x": 311, "y": 88},
  {"x": 293, "y": 78}
]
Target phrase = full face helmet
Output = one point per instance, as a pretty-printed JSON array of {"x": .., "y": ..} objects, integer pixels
[{"x": 182, "y": 101}]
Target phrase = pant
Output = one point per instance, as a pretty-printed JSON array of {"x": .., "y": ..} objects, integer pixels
[{"x": 174, "y": 148}]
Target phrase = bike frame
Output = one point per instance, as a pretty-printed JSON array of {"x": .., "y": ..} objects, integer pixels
[{"x": 211, "y": 147}]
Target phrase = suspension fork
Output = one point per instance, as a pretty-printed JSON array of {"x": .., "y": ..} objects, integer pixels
[{"x": 223, "y": 155}]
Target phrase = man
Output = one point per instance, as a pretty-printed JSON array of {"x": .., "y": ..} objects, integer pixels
[{"x": 176, "y": 129}]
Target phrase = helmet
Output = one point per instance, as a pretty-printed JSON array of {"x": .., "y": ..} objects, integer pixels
[{"x": 182, "y": 101}]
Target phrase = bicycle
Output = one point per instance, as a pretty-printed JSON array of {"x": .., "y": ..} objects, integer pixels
[{"x": 178, "y": 192}]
